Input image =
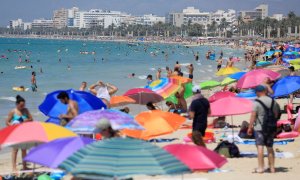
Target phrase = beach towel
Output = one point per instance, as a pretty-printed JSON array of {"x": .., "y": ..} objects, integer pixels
[
  {"x": 161, "y": 140},
  {"x": 281, "y": 142},
  {"x": 281, "y": 155}
]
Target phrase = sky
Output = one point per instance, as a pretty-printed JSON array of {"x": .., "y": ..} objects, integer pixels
[{"x": 31, "y": 9}]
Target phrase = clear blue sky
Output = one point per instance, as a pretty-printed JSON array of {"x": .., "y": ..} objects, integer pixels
[{"x": 30, "y": 9}]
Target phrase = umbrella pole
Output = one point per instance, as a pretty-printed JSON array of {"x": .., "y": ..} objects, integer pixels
[{"x": 232, "y": 129}]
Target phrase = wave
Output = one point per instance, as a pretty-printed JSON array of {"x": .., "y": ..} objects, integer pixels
[
  {"x": 143, "y": 77},
  {"x": 8, "y": 98},
  {"x": 152, "y": 69}
]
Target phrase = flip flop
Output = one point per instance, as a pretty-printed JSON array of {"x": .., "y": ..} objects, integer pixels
[{"x": 257, "y": 172}]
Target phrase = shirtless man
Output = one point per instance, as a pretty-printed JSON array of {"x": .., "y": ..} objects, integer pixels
[
  {"x": 158, "y": 74},
  {"x": 169, "y": 72},
  {"x": 177, "y": 66},
  {"x": 103, "y": 91},
  {"x": 191, "y": 71},
  {"x": 220, "y": 62},
  {"x": 33, "y": 82},
  {"x": 230, "y": 62},
  {"x": 83, "y": 86},
  {"x": 72, "y": 111},
  {"x": 182, "y": 105}
]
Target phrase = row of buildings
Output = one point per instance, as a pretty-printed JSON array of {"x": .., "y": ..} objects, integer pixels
[{"x": 102, "y": 18}]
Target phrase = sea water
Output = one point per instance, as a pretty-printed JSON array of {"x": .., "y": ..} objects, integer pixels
[{"x": 112, "y": 62}]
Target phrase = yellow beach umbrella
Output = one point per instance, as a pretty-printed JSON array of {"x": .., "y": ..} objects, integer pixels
[{"x": 227, "y": 71}]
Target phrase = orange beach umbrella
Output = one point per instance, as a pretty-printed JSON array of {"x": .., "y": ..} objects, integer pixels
[
  {"x": 121, "y": 101},
  {"x": 156, "y": 123}
]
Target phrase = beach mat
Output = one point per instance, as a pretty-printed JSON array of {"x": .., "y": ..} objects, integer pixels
[
  {"x": 281, "y": 142},
  {"x": 281, "y": 155},
  {"x": 162, "y": 140}
]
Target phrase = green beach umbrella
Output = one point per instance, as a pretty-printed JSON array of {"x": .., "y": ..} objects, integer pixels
[
  {"x": 187, "y": 93},
  {"x": 227, "y": 81},
  {"x": 122, "y": 158},
  {"x": 209, "y": 84}
]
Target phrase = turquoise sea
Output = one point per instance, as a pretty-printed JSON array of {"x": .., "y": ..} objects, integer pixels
[{"x": 120, "y": 60}]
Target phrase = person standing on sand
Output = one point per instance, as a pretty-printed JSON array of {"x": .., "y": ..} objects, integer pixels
[
  {"x": 257, "y": 119},
  {"x": 182, "y": 104},
  {"x": 191, "y": 71},
  {"x": 72, "y": 110},
  {"x": 198, "y": 111},
  {"x": 18, "y": 115},
  {"x": 33, "y": 82}
]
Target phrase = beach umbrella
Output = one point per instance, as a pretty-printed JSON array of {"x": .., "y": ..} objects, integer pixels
[
  {"x": 156, "y": 123},
  {"x": 209, "y": 84},
  {"x": 85, "y": 123},
  {"x": 286, "y": 86},
  {"x": 119, "y": 158},
  {"x": 227, "y": 71},
  {"x": 143, "y": 96},
  {"x": 220, "y": 95},
  {"x": 269, "y": 53},
  {"x": 295, "y": 61},
  {"x": 32, "y": 133},
  {"x": 229, "y": 106},
  {"x": 197, "y": 158},
  {"x": 187, "y": 93},
  {"x": 227, "y": 81},
  {"x": 180, "y": 79},
  {"x": 263, "y": 63},
  {"x": 237, "y": 75},
  {"x": 164, "y": 87},
  {"x": 52, "y": 106},
  {"x": 248, "y": 94},
  {"x": 53, "y": 153},
  {"x": 256, "y": 77},
  {"x": 116, "y": 101}
]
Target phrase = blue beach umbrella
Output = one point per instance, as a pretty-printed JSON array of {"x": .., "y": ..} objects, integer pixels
[
  {"x": 121, "y": 158},
  {"x": 286, "y": 86},
  {"x": 52, "y": 106},
  {"x": 237, "y": 75},
  {"x": 269, "y": 53},
  {"x": 249, "y": 94}
]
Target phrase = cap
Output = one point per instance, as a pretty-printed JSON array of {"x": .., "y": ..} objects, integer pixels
[
  {"x": 196, "y": 89},
  {"x": 260, "y": 88},
  {"x": 102, "y": 124}
]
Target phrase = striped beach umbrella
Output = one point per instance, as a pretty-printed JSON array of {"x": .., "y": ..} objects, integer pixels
[
  {"x": 164, "y": 86},
  {"x": 121, "y": 158}
]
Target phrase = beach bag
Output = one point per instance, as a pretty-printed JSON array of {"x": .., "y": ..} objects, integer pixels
[
  {"x": 227, "y": 149},
  {"x": 269, "y": 124}
]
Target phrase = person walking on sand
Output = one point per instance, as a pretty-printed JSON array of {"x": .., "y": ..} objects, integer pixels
[
  {"x": 198, "y": 111},
  {"x": 33, "y": 82},
  {"x": 18, "y": 115},
  {"x": 263, "y": 120},
  {"x": 72, "y": 110},
  {"x": 103, "y": 91}
]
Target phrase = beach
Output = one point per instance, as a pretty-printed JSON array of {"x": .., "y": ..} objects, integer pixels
[{"x": 112, "y": 62}]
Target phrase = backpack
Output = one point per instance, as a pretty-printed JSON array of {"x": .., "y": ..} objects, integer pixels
[
  {"x": 269, "y": 124},
  {"x": 227, "y": 149}
]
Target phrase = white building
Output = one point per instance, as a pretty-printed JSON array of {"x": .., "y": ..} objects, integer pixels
[
  {"x": 42, "y": 23},
  {"x": 96, "y": 17},
  {"x": 229, "y": 16},
  {"x": 71, "y": 16},
  {"x": 149, "y": 19},
  {"x": 27, "y": 25},
  {"x": 13, "y": 24},
  {"x": 278, "y": 17},
  {"x": 189, "y": 15},
  {"x": 261, "y": 11}
]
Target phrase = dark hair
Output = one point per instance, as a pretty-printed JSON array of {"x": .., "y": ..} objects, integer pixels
[
  {"x": 84, "y": 82},
  {"x": 19, "y": 99},
  {"x": 33, "y": 73},
  {"x": 149, "y": 76},
  {"x": 150, "y": 104},
  {"x": 292, "y": 68},
  {"x": 63, "y": 95}
]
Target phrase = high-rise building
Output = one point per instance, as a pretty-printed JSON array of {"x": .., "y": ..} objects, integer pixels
[
  {"x": 261, "y": 11},
  {"x": 71, "y": 16},
  {"x": 189, "y": 15},
  {"x": 60, "y": 18}
]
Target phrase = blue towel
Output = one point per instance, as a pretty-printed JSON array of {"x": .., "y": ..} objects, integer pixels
[
  {"x": 281, "y": 142},
  {"x": 158, "y": 140}
]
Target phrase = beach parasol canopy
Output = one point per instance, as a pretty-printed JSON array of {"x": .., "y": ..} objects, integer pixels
[
  {"x": 209, "y": 84},
  {"x": 164, "y": 87},
  {"x": 143, "y": 96},
  {"x": 227, "y": 71},
  {"x": 156, "y": 123},
  {"x": 118, "y": 158},
  {"x": 187, "y": 93},
  {"x": 269, "y": 53},
  {"x": 237, "y": 75},
  {"x": 220, "y": 95},
  {"x": 52, "y": 106},
  {"x": 53, "y": 153},
  {"x": 116, "y": 101},
  {"x": 181, "y": 80},
  {"x": 229, "y": 106},
  {"x": 248, "y": 94},
  {"x": 85, "y": 123},
  {"x": 197, "y": 158},
  {"x": 227, "y": 81},
  {"x": 32, "y": 133},
  {"x": 256, "y": 77},
  {"x": 286, "y": 86}
]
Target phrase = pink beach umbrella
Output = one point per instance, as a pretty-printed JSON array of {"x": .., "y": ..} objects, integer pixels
[
  {"x": 229, "y": 106},
  {"x": 220, "y": 95},
  {"x": 195, "y": 157},
  {"x": 256, "y": 77}
]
